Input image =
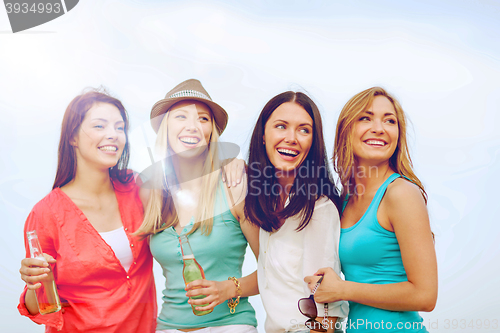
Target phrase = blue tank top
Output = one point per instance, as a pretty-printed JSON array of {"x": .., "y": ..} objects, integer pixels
[
  {"x": 371, "y": 254},
  {"x": 220, "y": 254}
]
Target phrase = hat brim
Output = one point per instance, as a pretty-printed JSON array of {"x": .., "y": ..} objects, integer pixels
[{"x": 161, "y": 107}]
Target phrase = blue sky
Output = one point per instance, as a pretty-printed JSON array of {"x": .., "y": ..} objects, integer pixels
[{"x": 441, "y": 59}]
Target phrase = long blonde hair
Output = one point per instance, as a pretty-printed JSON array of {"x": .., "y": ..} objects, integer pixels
[
  {"x": 160, "y": 212},
  {"x": 343, "y": 154}
]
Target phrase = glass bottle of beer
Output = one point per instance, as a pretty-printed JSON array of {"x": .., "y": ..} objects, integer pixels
[
  {"x": 192, "y": 271},
  {"x": 46, "y": 296}
]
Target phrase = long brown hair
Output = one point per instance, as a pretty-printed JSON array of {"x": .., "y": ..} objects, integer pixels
[
  {"x": 343, "y": 154},
  {"x": 73, "y": 118},
  {"x": 260, "y": 207}
]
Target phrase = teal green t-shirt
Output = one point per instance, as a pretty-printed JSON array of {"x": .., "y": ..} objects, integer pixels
[
  {"x": 220, "y": 254},
  {"x": 371, "y": 254}
]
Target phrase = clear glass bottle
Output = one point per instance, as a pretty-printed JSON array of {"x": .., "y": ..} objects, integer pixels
[
  {"x": 192, "y": 271},
  {"x": 46, "y": 296}
]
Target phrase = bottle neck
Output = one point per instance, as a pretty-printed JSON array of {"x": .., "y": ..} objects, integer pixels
[
  {"x": 187, "y": 253},
  {"x": 34, "y": 245}
]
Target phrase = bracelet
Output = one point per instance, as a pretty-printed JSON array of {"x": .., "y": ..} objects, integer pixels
[
  {"x": 325, "y": 318},
  {"x": 233, "y": 303}
]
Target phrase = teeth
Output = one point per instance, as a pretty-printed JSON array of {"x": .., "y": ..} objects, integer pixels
[
  {"x": 288, "y": 151},
  {"x": 375, "y": 142},
  {"x": 189, "y": 140},
  {"x": 108, "y": 148}
]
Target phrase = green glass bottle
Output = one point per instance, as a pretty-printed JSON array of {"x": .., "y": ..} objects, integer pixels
[{"x": 192, "y": 271}]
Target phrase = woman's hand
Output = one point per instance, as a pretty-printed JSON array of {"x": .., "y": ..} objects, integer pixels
[
  {"x": 35, "y": 270},
  {"x": 216, "y": 292},
  {"x": 232, "y": 171},
  {"x": 330, "y": 289}
]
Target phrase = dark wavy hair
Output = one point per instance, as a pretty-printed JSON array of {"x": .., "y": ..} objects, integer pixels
[
  {"x": 73, "y": 118},
  {"x": 260, "y": 208}
]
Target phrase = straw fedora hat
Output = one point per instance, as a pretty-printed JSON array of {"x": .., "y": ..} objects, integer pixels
[{"x": 188, "y": 90}]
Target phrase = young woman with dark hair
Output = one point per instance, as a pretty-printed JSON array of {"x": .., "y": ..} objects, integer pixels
[
  {"x": 103, "y": 274},
  {"x": 311, "y": 176},
  {"x": 291, "y": 197},
  {"x": 386, "y": 244},
  {"x": 73, "y": 118}
]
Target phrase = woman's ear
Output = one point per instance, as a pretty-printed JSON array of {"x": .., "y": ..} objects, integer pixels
[{"x": 74, "y": 142}]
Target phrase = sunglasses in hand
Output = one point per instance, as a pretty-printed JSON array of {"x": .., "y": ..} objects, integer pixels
[{"x": 307, "y": 306}]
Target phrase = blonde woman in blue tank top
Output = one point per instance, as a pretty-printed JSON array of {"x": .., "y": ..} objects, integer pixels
[{"x": 386, "y": 244}]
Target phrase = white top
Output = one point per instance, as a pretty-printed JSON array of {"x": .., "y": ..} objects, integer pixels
[
  {"x": 119, "y": 243},
  {"x": 287, "y": 256}
]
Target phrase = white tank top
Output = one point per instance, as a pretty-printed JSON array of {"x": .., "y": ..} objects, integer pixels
[{"x": 119, "y": 243}]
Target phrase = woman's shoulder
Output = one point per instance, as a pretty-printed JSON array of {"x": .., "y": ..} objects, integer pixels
[
  {"x": 48, "y": 211},
  {"x": 324, "y": 202},
  {"x": 325, "y": 208},
  {"x": 401, "y": 190},
  {"x": 130, "y": 182},
  {"x": 324, "y": 218},
  {"x": 54, "y": 199}
]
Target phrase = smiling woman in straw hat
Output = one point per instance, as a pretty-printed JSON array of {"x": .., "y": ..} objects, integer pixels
[{"x": 189, "y": 199}]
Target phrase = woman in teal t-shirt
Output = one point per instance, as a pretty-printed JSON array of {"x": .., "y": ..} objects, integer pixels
[
  {"x": 188, "y": 198},
  {"x": 386, "y": 245}
]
